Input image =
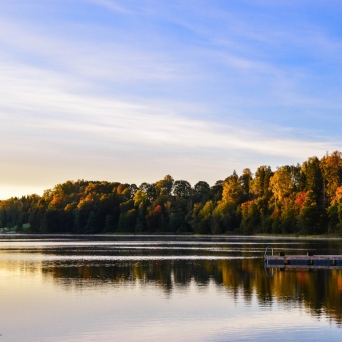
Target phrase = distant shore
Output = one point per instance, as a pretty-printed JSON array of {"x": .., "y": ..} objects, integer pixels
[{"x": 168, "y": 234}]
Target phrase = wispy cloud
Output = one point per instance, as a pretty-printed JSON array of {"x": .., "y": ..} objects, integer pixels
[
  {"x": 193, "y": 88},
  {"x": 38, "y": 113},
  {"x": 38, "y": 98},
  {"x": 109, "y": 4}
]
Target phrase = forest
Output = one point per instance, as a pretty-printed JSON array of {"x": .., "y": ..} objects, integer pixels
[{"x": 293, "y": 199}]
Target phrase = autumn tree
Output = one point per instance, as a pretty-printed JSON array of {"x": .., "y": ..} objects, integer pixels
[
  {"x": 281, "y": 183},
  {"x": 331, "y": 166},
  {"x": 232, "y": 189}
]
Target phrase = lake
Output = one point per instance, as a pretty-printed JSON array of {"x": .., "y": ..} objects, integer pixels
[{"x": 164, "y": 288}]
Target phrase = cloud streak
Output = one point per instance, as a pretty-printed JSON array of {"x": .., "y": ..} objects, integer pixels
[
  {"x": 40, "y": 112},
  {"x": 44, "y": 107},
  {"x": 111, "y": 5},
  {"x": 132, "y": 91}
]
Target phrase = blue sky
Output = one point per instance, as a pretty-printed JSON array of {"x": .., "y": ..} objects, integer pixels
[{"x": 131, "y": 90}]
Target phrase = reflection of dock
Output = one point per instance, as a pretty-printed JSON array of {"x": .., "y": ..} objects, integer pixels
[{"x": 303, "y": 261}]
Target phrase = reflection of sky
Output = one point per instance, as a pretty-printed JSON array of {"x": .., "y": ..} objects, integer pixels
[
  {"x": 132, "y": 90},
  {"x": 38, "y": 310},
  {"x": 44, "y": 301}
]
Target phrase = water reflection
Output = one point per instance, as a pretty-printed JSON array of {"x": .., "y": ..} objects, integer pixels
[
  {"x": 234, "y": 268},
  {"x": 319, "y": 291}
]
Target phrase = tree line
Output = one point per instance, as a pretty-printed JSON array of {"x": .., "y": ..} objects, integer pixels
[{"x": 304, "y": 198}]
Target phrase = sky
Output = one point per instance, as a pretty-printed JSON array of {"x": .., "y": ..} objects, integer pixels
[{"x": 133, "y": 90}]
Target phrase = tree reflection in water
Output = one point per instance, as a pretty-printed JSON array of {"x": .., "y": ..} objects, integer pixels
[{"x": 318, "y": 291}]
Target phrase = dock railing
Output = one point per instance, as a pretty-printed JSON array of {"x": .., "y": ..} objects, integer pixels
[{"x": 266, "y": 255}]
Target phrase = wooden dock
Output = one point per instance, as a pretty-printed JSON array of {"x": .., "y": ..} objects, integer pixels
[{"x": 303, "y": 261}]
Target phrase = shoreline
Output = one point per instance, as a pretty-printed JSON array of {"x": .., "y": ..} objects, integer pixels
[{"x": 168, "y": 234}]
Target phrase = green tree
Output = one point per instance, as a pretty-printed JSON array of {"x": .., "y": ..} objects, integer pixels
[
  {"x": 250, "y": 217},
  {"x": 154, "y": 219},
  {"x": 90, "y": 227},
  {"x": 200, "y": 218},
  {"x": 313, "y": 179},
  {"x": 201, "y": 192},
  {"x": 182, "y": 188},
  {"x": 310, "y": 217},
  {"x": 245, "y": 180},
  {"x": 127, "y": 221}
]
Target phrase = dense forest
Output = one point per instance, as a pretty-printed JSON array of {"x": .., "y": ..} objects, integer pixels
[{"x": 305, "y": 199}]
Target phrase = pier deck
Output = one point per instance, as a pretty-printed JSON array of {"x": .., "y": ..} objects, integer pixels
[{"x": 304, "y": 260}]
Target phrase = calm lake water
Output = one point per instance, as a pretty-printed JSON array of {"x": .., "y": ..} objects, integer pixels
[{"x": 158, "y": 288}]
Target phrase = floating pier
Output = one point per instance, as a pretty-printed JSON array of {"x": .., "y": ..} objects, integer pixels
[{"x": 302, "y": 261}]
